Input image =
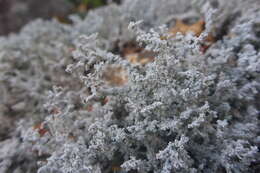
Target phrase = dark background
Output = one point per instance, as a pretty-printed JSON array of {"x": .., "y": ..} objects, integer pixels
[{"x": 16, "y": 13}]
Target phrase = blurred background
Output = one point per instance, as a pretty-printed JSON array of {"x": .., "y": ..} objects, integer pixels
[{"x": 16, "y": 13}]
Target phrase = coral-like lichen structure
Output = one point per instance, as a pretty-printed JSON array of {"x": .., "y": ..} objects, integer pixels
[{"x": 146, "y": 86}]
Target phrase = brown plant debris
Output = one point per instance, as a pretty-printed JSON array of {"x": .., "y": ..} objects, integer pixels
[
  {"x": 40, "y": 129},
  {"x": 197, "y": 28},
  {"x": 115, "y": 76}
]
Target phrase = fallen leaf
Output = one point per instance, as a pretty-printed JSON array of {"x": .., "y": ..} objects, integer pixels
[
  {"x": 197, "y": 28},
  {"x": 183, "y": 28},
  {"x": 131, "y": 48},
  {"x": 115, "y": 76},
  {"x": 141, "y": 58}
]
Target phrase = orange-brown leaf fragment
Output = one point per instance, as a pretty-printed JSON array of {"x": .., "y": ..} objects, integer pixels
[
  {"x": 142, "y": 58},
  {"x": 131, "y": 48},
  {"x": 42, "y": 132},
  {"x": 40, "y": 129},
  {"x": 115, "y": 76},
  {"x": 136, "y": 54},
  {"x": 183, "y": 28},
  {"x": 197, "y": 28},
  {"x": 71, "y": 137}
]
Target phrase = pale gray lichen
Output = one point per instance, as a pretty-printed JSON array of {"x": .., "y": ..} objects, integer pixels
[{"x": 186, "y": 111}]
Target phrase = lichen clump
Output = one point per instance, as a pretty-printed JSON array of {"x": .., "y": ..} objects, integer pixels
[{"x": 184, "y": 98}]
